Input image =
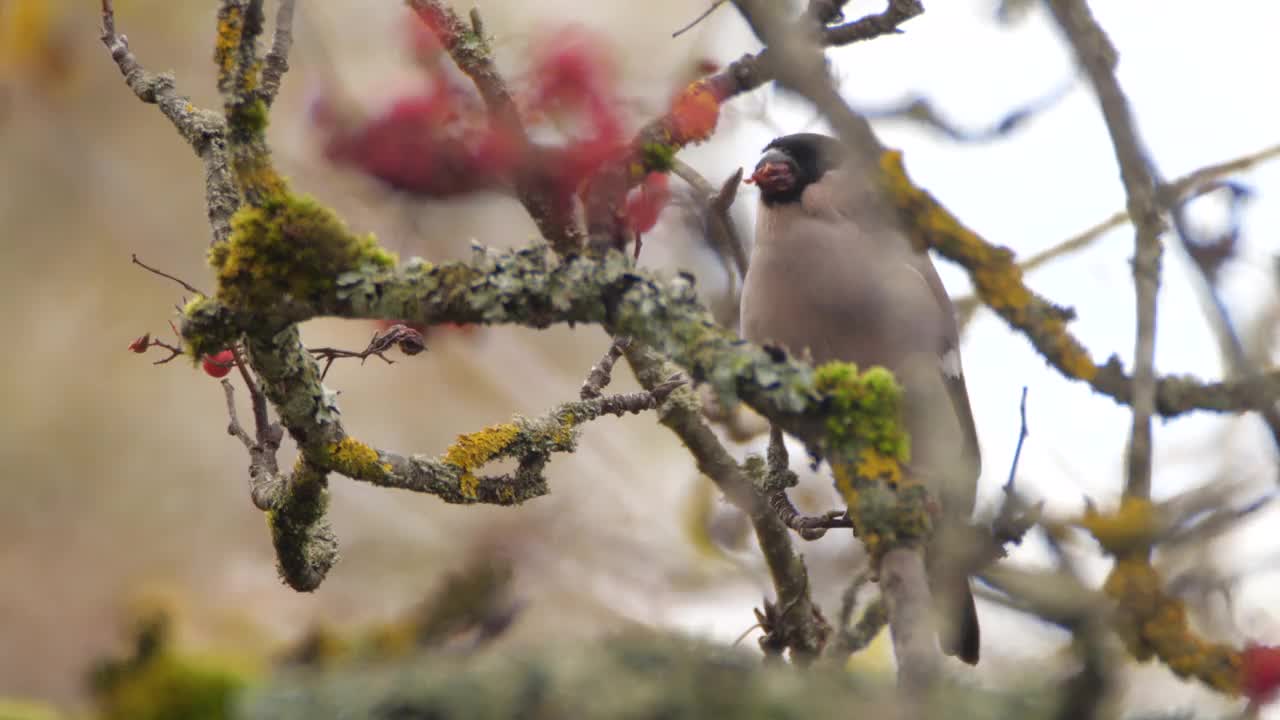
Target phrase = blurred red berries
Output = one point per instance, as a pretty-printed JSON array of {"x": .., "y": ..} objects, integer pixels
[
  {"x": 439, "y": 142},
  {"x": 1261, "y": 673},
  {"x": 435, "y": 144},
  {"x": 141, "y": 344},
  {"x": 574, "y": 81},
  {"x": 645, "y": 203},
  {"x": 219, "y": 364}
]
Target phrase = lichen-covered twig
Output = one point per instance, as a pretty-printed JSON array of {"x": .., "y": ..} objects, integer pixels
[
  {"x": 999, "y": 283},
  {"x": 779, "y": 478},
  {"x": 798, "y": 626},
  {"x": 850, "y": 636},
  {"x": 1097, "y": 57},
  {"x": 202, "y": 129},
  {"x": 1171, "y": 195}
]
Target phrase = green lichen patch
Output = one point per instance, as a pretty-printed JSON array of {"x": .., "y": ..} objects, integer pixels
[
  {"x": 289, "y": 248},
  {"x": 867, "y": 446},
  {"x": 864, "y": 412}
]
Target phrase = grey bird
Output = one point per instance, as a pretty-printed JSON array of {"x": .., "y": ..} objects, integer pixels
[{"x": 833, "y": 277}]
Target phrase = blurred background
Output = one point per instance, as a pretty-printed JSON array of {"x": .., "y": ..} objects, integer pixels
[{"x": 122, "y": 490}]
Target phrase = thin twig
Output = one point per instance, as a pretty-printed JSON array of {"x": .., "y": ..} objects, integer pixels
[
  {"x": 1022, "y": 436},
  {"x": 703, "y": 16},
  {"x": 779, "y": 478},
  {"x": 276, "y": 62},
  {"x": 234, "y": 428},
  {"x": 1219, "y": 317},
  {"x": 602, "y": 372},
  {"x": 721, "y": 230},
  {"x": 409, "y": 341},
  {"x": 185, "y": 285},
  {"x": 1095, "y": 53},
  {"x": 921, "y": 110}
]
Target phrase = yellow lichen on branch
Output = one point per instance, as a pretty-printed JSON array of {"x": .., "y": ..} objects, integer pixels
[
  {"x": 996, "y": 276},
  {"x": 226, "y": 46},
  {"x": 472, "y": 451},
  {"x": 867, "y": 447},
  {"x": 1130, "y": 528},
  {"x": 1152, "y": 623},
  {"x": 357, "y": 460}
]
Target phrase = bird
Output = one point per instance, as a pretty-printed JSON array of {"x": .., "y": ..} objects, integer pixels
[{"x": 833, "y": 276}]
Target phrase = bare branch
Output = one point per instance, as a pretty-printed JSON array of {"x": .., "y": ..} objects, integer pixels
[
  {"x": 1220, "y": 321},
  {"x": 721, "y": 230},
  {"x": 1096, "y": 55},
  {"x": 921, "y": 110},
  {"x": 608, "y": 188},
  {"x": 905, "y": 588},
  {"x": 702, "y": 16},
  {"x": 409, "y": 341},
  {"x": 276, "y": 62},
  {"x": 602, "y": 372},
  {"x": 202, "y": 129},
  {"x": 185, "y": 285}
]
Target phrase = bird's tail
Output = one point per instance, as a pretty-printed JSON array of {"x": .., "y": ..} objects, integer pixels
[{"x": 956, "y": 618}]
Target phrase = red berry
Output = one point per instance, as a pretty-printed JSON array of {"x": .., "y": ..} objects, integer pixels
[
  {"x": 1261, "y": 668},
  {"x": 219, "y": 364},
  {"x": 141, "y": 344}
]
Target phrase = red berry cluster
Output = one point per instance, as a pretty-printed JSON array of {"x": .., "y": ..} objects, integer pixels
[{"x": 439, "y": 142}]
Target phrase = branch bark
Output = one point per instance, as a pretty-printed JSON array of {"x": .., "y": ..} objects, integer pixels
[{"x": 1097, "y": 56}]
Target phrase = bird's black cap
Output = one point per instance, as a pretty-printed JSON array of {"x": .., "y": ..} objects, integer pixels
[{"x": 809, "y": 156}]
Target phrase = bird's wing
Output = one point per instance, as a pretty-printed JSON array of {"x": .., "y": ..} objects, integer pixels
[{"x": 845, "y": 196}]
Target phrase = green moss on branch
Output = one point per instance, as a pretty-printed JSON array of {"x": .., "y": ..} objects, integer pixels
[{"x": 290, "y": 249}]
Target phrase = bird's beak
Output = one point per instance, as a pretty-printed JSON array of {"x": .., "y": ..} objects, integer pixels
[{"x": 775, "y": 173}]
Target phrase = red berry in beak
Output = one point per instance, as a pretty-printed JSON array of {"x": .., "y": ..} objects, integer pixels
[{"x": 773, "y": 176}]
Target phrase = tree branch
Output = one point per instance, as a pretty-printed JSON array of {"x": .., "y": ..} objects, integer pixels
[
  {"x": 1096, "y": 55},
  {"x": 203, "y": 130},
  {"x": 795, "y": 622},
  {"x": 276, "y": 63},
  {"x": 1170, "y": 195}
]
